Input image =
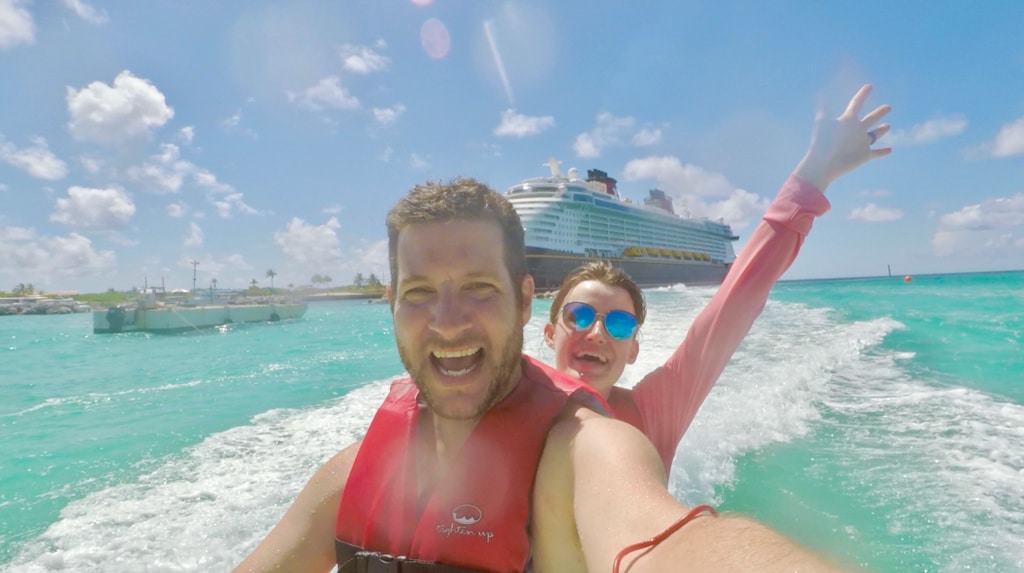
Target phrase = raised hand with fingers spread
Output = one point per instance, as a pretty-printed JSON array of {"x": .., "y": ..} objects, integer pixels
[{"x": 843, "y": 144}]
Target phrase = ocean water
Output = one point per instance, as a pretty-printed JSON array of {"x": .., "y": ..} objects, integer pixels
[{"x": 875, "y": 420}]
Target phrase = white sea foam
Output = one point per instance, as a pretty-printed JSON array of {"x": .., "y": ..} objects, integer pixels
[
  {"x": 91, "y": 398},
  {"x": 205, "y": 509},
  {"x": 769, "y": 393},
  {"x": 948, "y": 452},
  {"x": 927, "y": 448}
]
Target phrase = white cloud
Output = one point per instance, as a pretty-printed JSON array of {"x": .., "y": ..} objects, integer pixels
[
  {"x": 994, "y": 224},
  {"x": 91, "y": 164},
  {"x": 313, "y": 245},
  {"x": 362, "y": 60},
  {"x": 928, "y": 132},
  {"x": 673, "y": 176},
  {"x": 187, "y": 134},
  {"x": 231, "y": 202},
  {"x": 208, "y": 180},
  {"x": 126, "y": 111},
  {"x": 1010, "y": 140},
  {"x": 371, "y": 258},
  {"x": 691, "y": 187},
  {"x": 164, "y": 172},
  {"x": 87, "y": 12},
  {"x": 612, "y": 131},
  {"x": 176, "y": 210},
  {"x": 518, "y": 125},
  {"x": 388, "y": 115},
  {"x": 221, "y": 195},
  {"x": 328, "y": 92},
  {"x": 194, "y": 236},
  {"x": 586, "y": 146},
  {"x": 646, "y": 137},
  {"x": 94, "y": 209},
  {"x": 28, "y": 257},
  {"x": 232, "y": 124},
  {"x": 232, "y": 120},
  {"x": 872, "y": 213},
  {"x": 16, "y": 24},
  {"x": 36, "y": 160},
  {"x": 740, "y": 209}
]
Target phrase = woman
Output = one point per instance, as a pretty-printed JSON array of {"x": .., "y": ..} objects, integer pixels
[{"x": 664, "y": 403}]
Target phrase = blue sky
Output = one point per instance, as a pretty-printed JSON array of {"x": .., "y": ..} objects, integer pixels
[{"x": 136, "y": 137}]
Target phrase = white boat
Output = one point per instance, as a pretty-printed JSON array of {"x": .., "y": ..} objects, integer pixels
[
  {"x": 570, "y": 221},
  {"x": 150, "y": 315}
]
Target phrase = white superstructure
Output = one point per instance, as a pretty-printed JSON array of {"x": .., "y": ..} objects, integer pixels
[{"x": 588, "y": 218}]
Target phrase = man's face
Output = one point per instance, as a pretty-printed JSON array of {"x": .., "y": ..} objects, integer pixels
[
  {"x": 458, "y": 319},
  {"x": 591, "y": 354}
]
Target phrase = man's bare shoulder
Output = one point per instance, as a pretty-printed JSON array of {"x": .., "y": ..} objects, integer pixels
[{"x": 333, "y": 475}]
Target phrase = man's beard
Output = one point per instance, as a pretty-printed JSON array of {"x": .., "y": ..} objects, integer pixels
[{"x": 501, "y": 383}]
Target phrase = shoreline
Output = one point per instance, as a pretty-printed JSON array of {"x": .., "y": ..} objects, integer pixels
[{"x": 319, "y": 297}]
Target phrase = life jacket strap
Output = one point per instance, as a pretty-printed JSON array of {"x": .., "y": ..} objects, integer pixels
[{"x": 352, "y": 559}]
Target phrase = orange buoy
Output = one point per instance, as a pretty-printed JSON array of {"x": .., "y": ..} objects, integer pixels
[{"x": 908, "y": 278}]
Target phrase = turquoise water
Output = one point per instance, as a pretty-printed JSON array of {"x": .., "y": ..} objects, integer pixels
[{"x": 879, "y": 421}]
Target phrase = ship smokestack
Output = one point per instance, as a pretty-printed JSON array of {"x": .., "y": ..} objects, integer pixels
[{"x": 609, "y": 183}]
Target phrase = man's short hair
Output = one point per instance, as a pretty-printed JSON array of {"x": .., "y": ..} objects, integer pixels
[
  {"x": 604, "y": 272},
  {"x": 461, "y": 199}
]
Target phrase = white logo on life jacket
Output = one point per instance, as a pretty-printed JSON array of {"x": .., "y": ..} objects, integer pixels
[
  {"x": 464, "y": 517},
  {"x": 467, "y": 514}
]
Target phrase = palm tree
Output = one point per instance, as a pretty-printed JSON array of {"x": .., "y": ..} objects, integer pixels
[
  {"x": 271, "y": 274},
  {"x": 254, "y": 283}
]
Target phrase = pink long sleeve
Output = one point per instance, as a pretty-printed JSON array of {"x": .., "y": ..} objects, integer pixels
[{"x": 668, "y": 398}]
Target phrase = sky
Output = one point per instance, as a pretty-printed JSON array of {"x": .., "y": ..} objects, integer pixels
[{"x": 181, "y": 142}]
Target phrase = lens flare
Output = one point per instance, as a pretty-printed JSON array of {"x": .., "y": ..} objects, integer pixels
[{"x": 435, "y": 39}]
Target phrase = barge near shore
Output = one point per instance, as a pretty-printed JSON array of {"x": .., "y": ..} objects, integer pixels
[{"x": 148, "y": 315}]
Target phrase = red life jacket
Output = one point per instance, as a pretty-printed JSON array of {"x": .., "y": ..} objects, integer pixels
[{"x": 478, "y": 515}]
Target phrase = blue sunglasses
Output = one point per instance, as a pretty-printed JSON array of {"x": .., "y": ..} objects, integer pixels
[{"x": 619, "y": 324}]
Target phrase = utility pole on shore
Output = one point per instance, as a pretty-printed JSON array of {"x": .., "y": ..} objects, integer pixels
[{"x": 195, "y": 263}]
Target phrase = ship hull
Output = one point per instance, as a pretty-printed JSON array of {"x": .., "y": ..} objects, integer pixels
[{"x": 550, "y": 268}]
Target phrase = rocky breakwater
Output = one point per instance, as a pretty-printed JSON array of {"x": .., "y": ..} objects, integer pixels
[{"x": 41, "y": 305}]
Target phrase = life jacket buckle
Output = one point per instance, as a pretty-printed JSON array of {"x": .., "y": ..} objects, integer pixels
[{"x": 373, "y": 562}]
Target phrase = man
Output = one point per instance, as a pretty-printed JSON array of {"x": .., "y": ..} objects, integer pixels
[
  {"x": 486, "y": 460},
  {"x": 597, "y": 312}
]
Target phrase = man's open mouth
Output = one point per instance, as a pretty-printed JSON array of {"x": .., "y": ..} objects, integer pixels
[{"x": 457, "y": 362}]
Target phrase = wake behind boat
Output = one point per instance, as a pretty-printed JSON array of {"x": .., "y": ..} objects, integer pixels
[
  {"x": 152, "y": 315},
  {"x": 570, "y": 221}
]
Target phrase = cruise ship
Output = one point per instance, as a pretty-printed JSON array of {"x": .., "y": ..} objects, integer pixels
[{"x": 570, "y": 221}]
